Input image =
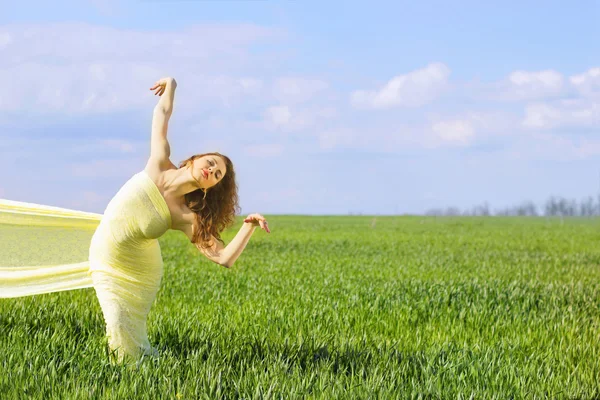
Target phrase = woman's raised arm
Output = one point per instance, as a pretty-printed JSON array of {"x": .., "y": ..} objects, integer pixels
[
  {"x": 168, "y": 86},
  {"x": 160, "y": 150}
]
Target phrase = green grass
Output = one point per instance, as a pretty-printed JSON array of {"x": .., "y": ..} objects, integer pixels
[{"x": 339, "y": 307}]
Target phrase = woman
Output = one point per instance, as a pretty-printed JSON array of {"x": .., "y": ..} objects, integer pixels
[
  {"x": 199, "y": 198},
  {"x": 124, "y": 260}
]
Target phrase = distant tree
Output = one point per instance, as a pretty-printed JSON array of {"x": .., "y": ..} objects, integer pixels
[
  {"x": 551, "y": 207},
  {"x": 481, "y": 210},
  {"x": 554, "y": 206},
  {"x": 453, "y": 211},
  {"x": 434, "y": 212},
  {"x": 587, "y": 207}
]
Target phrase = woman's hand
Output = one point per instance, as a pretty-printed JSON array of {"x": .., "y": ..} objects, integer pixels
[
  {"x": 258, "y": 220},
  {"x": 161, "y": 85}
]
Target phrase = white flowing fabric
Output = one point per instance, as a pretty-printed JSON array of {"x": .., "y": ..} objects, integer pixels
[{"x": 123, "y": 261}]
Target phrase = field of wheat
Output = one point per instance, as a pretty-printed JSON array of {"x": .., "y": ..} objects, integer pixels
[{"x": 339, "y": 307}]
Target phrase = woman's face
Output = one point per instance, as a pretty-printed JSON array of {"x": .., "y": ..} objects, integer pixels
[{"x": 209, "y": 170}]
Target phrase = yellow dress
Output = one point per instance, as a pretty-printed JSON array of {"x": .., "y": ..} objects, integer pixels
[{"x": 124, "y": 263}]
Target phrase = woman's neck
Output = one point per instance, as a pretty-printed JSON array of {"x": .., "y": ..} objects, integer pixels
[{"x": 179, "y": 182}]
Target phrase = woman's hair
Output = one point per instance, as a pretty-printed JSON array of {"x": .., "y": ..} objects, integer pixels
[{"x": 216, "y": 209}]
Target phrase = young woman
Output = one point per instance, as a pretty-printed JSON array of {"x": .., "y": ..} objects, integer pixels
[{"x": 198, "y": 198}]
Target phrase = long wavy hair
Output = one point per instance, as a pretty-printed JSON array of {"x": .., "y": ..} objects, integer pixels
[{"x": 215, "y": 209}]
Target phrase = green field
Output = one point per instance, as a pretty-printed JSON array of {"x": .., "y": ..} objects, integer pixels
[{"x": 340, "y": 307}]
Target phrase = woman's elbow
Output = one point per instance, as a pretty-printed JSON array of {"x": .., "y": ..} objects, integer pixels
[
  {"x": 163, "y": 111},
  {"x": 225, "y": 263}
]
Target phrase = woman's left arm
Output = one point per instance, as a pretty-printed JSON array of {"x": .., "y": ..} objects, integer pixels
[
  {"x": 160, "y": 150},
  {"x": 168, "y": 86},
  {"x": 226, "y": 256}
]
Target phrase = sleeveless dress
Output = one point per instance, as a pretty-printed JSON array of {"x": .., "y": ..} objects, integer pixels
[
  {"x": 46, "y": 249},
  {"x": 126, "y": 264}
]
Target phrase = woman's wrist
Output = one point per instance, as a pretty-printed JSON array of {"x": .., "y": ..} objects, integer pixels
[{"x": 250, "y": 224}]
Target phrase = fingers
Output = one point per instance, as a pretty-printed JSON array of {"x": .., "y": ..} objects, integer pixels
[
  {"x": 160, "y": 86},
  {"x": 257, "y": 218},
  {"x": 263, "y": 223}
]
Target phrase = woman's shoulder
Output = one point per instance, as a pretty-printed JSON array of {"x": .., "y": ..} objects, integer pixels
[
  {"x": 157, "y": 168},
  {"x": 182, "y": 218}
]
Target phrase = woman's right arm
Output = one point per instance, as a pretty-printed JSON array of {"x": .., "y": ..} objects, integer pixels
[{"x": 227, "y": 255}]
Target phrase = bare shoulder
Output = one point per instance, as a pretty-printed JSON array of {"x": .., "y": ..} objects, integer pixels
[
  {"x": 182, "y": 218},
  {"x": 156, "y": 169}
]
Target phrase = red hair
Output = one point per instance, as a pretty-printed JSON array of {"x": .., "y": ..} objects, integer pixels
[{"x": 215, "y": 209}]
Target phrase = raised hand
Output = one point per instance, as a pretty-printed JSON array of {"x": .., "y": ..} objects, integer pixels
[{"x": 161, "y": 85}]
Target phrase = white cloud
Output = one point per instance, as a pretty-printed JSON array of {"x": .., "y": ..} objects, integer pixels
[
  {"x": 297, "y": 90},
  {"x": 251, "y": 84},
  {"x": 526, "y": 85},
  {"x": 539, "y": 86},
  {"x": 559, "y": 103},
  {"x": 97, "y": 169},
  {"x": 521, "y": 86},
  {"x": 339, "y": 137},
  {"x": 88, "y": 201},
  {"x": 264, "y": 150},
  {"x": 298, "y": 118},
  {"x": 327, "y": 140},
  {"x": 197, "y": 89},
  {"x": 429, "y": 132},
  {"x": 5, "y": 40},
  {"x": 383, "y": 139},
  {"x": 34, "y": 147},
  {"x": 122, "y": 146},
  {"x": 184, "y": 146},
  {"x": 103, "y": 145},
  {"x": 541, "y": 116},
  {"x": 78, "y": 68},
  {"x": 416, "y": 88},
  {"x": 572, "y": 113},
  {"x": 206, "y": 46},
  {"x": 547, "y": 146},
  {"x": 587, "y": 83},
  {"x": 72, "y": 69},
  {"x": 106, "y": 7},
  {"x": 278, "y": 115},
  {"x": 458, "y": 131},
  {"x": 266, "y": 197}
]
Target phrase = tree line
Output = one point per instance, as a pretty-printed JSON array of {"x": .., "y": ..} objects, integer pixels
[{"x": 554, "y": 206}]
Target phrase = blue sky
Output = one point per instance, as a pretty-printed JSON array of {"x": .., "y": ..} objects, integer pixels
[{"x": 336, "y": 108}]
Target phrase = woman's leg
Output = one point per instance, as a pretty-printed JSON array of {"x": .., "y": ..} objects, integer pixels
[{"x": 125, "y": 303}]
